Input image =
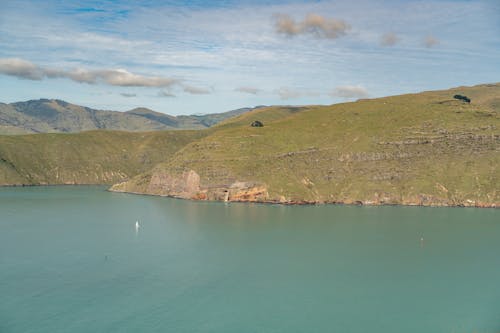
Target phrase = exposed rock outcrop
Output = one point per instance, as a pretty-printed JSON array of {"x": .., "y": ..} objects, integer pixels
[{"x": 187, "y": 185}]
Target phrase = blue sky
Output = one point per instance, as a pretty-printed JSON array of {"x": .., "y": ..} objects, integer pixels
[{"x": 184, "y": 57}]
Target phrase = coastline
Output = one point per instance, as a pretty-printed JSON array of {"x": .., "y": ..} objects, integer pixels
[
  {"x": 318, "y": 202},
  {"x": 368, "y": 203}
]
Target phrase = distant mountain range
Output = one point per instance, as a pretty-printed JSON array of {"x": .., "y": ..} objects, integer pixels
[{"x": 56, "y": 116}]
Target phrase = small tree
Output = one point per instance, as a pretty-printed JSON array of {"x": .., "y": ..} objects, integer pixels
[
  {"x": 462, "y": 98},
  {"x": 257, "y": 123}
]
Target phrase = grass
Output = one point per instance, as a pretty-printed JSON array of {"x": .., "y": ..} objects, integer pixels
[
  {"x": 95, "y": 157},
  {"x": 425, "y": 148},
  {"x": 422, "y": 148}
]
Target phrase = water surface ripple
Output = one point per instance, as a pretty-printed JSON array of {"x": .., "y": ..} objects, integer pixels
[{"x": 72, "y": 260}]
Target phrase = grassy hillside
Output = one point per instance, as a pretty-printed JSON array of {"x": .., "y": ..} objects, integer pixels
[
  {"x": 56, "y": 116},
  {"x": 426, "y": 149},
  {"x": 96, "y": 157}
]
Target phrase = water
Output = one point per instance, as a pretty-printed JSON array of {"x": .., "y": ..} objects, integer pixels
[{"x": 71, "y": 260}]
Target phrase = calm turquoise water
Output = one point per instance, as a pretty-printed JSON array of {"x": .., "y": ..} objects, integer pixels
[{"x": 72, "y": 261}]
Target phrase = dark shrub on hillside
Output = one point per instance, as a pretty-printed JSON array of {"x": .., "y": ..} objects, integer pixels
[
  {"x": 462, "y": 98},
  {"x": 257, "y": 123}
]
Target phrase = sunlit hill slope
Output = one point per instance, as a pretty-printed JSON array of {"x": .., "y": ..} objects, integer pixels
[{"x": 416, "y": 149}]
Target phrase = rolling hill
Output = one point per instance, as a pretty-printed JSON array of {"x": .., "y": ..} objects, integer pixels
[
  {"x": 56, "y": 116},
  {"x": 415, "y": 149},
  {"x": 94, "y": 157}
]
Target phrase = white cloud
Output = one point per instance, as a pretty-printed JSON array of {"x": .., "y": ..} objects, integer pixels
[
  {"x": 389, "y": 39},
  {"x": 313, "y": 24},
  {"x": 166, "y": 93},
  {"x": 290, "y": 93},
  {"x": 237, "y": 45},
  {"x": 248, "y": 90},
  {"x": 287, "y": 93},
  {"x": 115, "y": 77},
  {"x": 430, "y": 41},
  {"x": 20, "y": 68},
  {"x": 349, "y": 92},
  {"x": 195, "y": 90},
  {"x": 121, "y": 77}
]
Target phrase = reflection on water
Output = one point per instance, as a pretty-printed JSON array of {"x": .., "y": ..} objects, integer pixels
[{"x": 68, "y": 262}]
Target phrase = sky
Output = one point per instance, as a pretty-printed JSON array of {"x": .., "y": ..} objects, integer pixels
[{"x": 196, "y": 57}]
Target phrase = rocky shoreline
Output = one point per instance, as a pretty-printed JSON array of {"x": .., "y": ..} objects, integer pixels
[
  {"x": 245, "y": 198},
  {"x": 319, "y": 202},
  {"x": 187, "y": 185}
]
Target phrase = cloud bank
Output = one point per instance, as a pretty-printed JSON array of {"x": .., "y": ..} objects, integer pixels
[
  {"x": 195, "y": 90},
  {"x": 291, "y": 93},
  {"x": 128, "y": 95},
  {"x": 24, "y": 69},
  {"x": 248, "y": 90},
  {"x": 349, "y": 92},
  {"x": 313, "y": 24},
  {"x": 166, "y": 93},
  {"x": 20, "y": 68},
  {"x": 287, "y": 93}
]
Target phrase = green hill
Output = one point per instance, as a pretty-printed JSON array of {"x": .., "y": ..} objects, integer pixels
[
  {"x": 56, "y": 116},
  {"x": 96, "y": 157},
  {"x": 416, "y": 149}
]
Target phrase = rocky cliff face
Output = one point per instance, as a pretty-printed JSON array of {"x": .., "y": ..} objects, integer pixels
[{"x": 187, "y": 185}]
